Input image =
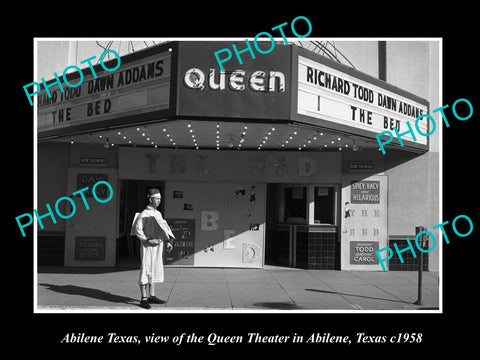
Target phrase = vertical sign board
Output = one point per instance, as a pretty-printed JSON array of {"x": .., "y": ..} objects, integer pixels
[
  {"x": 354, "y": 104},
  {"x": 184, "y": 245},
  {"x": 364, "y": 221},
  {"x": 90, "y": 248},
  {"x": 139, "y": 87},
  {"x": 90, "y": 235}
]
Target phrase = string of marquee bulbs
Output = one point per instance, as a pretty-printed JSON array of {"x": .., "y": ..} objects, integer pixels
[{"x": 315, "y": 139}]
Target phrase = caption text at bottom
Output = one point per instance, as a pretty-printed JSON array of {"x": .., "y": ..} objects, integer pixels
[{"x": 251, "y": 338}]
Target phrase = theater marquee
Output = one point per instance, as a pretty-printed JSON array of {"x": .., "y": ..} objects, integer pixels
[
  {"x": 256, "y": 89},
  {"x": 341, "y": 98},
  {"x": 140, "y": 86}
]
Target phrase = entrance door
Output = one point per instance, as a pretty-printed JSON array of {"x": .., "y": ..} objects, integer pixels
[
  {"x": 90, "y": 234},
  {"x": 278, "y": 239}
]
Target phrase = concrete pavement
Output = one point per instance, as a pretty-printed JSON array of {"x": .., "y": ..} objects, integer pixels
[{"x": 271, "y": 289}]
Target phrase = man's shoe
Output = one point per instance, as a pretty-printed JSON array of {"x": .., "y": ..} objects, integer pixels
[
  {"x": 155, "y": 300},
  {"x": 144, "y": 303}
]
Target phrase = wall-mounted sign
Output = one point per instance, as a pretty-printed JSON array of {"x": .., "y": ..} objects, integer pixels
[
  {"x": 361, "y": 166},
  {"x": 140, "y": 85},
  {"x": 329, "y": 94},
  {"x": 91, "y": 248},
  {"x": 184, "y": 243},
  {"x": 365, "y": 192},
  {"x": 92, "y": 161},
  {"x": 363, "y": 252},
  {"x": 88, "y": 180}
]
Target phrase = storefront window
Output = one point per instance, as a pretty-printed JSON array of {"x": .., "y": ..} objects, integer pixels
[
  {"x": 324, "y": 205},
  {"x": 296, "y": 204},
  {"x": 308, "y": 204}
]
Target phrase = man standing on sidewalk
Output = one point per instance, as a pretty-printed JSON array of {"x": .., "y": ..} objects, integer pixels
[{"x": 152, "y": 230}]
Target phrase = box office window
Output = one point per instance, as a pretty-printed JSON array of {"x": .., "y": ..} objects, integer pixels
[
  {"x": 308, "y": 204},
  {"x": 324, "y": 205},
  {"x": 295, "y": 204}
]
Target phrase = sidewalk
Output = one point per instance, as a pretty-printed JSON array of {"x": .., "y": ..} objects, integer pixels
[{"x": 226, "y": 289}]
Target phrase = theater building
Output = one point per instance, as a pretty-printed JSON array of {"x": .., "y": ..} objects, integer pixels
[{"x": 272, "y": 162}]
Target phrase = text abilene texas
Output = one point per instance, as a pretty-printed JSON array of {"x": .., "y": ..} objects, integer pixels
[{"x": 213, "y": 338}]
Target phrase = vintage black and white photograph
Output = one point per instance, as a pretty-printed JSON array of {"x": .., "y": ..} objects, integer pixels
[
  {"x": 320, "y": 157},
  {"x": 292, "y": 179}
]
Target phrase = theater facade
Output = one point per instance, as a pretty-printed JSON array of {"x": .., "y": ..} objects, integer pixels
[{"x": 272, "y": 162}]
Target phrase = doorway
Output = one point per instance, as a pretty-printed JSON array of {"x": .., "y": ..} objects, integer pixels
[
  {"x": 302, "y": 222},
  {"x": 277, "y": 236},
  {"x": 132, "y": 200}
]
